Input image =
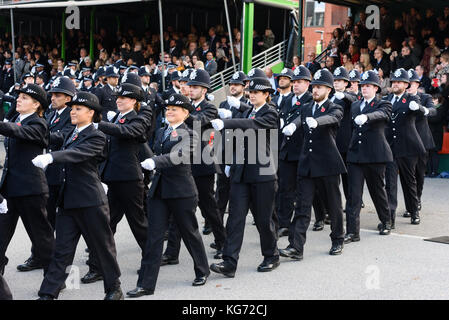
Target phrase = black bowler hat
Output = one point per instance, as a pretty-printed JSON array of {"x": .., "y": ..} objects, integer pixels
[
  {"x": 301, "y": 73},
  {"x": 354, "y": 76},
  {"x": 413, "y": 75},
  {"x": 400, "y": 75},
  {"x": 175, "y": 75},
  {"x": 111, "y": 72},
  {"x": 256, "y": 73},
  {"x": 143, "y": 72},
  {"x": 63, "y": 85},
  {"x": 69, "y": 73},
  {"x": 185, "y": 77},
  {"x": 238, "y": 78},
  {"x": 260, "y": 84},
  {"x": 36, "y": 92},
  {"x": 370, "y": 77},
  {"x": 27, "y": 75},
  {"x": 288, "y": 73},
  {"x": 199, "y": 77},
  {"x": 130, "y": 91},
  {"x": 132, "y": 78},
  {"x": 86, "y": 99},
  {"x": 179, "y": 100},
  {"x": 323, "y": 77},
  {"x": 133, "y": 67},
  {"x": 341, "y": 73}
]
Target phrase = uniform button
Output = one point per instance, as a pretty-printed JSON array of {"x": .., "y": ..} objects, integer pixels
[
  {"x": 227, "y": 139},
  {"x": 360, "y": 141},
  {"x": 310, "y": 141},
  {"x": 288, "y": 138},
  {"x": 393, "y": 121},
  {"x": 310, "y": 150},
  {"x": 394, "y": 129},
  {"x": 403, "y": 112},
  {"x": 360, "y": 126},
  {"x": 394, "y": 137},
  {"x": 310, "y": 131},
  {"x": 360, "y": 134}
]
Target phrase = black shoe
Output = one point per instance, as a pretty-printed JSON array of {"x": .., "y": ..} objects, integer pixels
[
  {"x": 268, "y": 265},
  {"x": 46, "y": 297},
  {"x": 318, "y": 225},
  {"x": 406, "y": 214},
  {"x": 168, "y": 260},
  {"x": 207, "y": 230},
  {"x": 393, "y": 226},
  {"x": 384, "y": 229},
  {"x": 213, "y": 245},
  {"x": 218, "y": 254},
  {"x": 223, "y": 268},
  {"x": 116, "y": 294},
  {"x": 282, "y": 232},
  {"x": 91, "y": 277},
  {"x": 199, "y": 281},
  {"x": 29, "y": 265},
  {"x": 139, "y": 292},
  {"x": 415, "y": 218},
  {"x": 327, "y": 220},
  {"x": 351, "y": 237},
  {"x": 291, "y": 253},
  {"x": 336, "y": 249}
]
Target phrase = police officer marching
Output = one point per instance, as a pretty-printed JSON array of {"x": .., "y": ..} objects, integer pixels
[
  {"x": 320, "y": 163},
  {"x": 82, "y": 206},
  {"x": 285, "y": 89},
  {"x": 290, "y": 147},
  {"x": 406, "y": 145},
  {"x": 367, "y": 156},
  {"x": 24, "y": 186},
  {"x": 105, "y": 94},
  {"x": 173, "y": 193},
  {"x": 253, "y": 185}
]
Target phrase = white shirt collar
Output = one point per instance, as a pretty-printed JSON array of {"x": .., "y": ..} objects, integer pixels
[
  {"x": 399, "y": 97},
  {"x": 175, "y": 126},
  {"x": 176, "y": 90},
  {"x": 300, "y": 96},
  {"x": 124, "y": 114},
  {"x": 60, "y": 111},
  {"x": 112, "y": 88},
  {"x": 196, "y": 104},
  {"x": 24, "y": 116},
  {"x": 83, "y": 127},
  {"x": 368, "y": 101},
  {"x": 321, "y": 103}
]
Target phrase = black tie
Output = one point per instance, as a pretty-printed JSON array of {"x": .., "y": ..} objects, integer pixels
[
  {"x": 396, "y": 99},
  {"x": 56, "y": 116},
  {"x": 119, "y": 117},
  {"x": 315, "y": 108},
  {"x": 167, "y": 132},
  {"x": 252, "y": 115},
  {"x": 74, "y": 135}
]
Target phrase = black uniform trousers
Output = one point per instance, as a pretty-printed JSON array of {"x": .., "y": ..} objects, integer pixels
[
  {"x": 344, "y": 178},
  {"x": 222, "y": 193},
  {"x": 319, "y": 201},
  {"x": 159, "y": 211},
  {"x": 287, "y": 191},
  {"x": 260, "y": 197},
  {"x": 32, "y": 211},
  {"x": 433, "y": 163},
  {"x": 407, "y": 174},
  {"x": 391, "y": 186},
  {"x": 5, "y": 293},
  {"x": 374, "y": 173},
  {"x": 301, "y": 221},
  {"x": 421, "y": 168},
  {"x": 53, "y": 195},
  {"x": 93, "y": 224},
  {"x": 126, "y": 198}
]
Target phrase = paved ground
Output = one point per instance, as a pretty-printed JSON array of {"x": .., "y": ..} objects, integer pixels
[{"x": 399, "y": 266}]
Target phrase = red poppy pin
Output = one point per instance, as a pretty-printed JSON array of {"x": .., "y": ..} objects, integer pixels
[
  {"x": 403, "y": 100},
  {"x": 322, "y": 109},
  {"x": 359, "y": 97},
  {"x": 75, "y": 137},
  {"x": 57, "y": 120},
  {"x": 372, "y": 104},
  {"x": 211, "y": 138},
  {"x": 298, "y": 103},
  {"x": 122, "y": 120},
  {"x": 19, "y": 124},
  {"x": 198, "y": 109},
  {"x": 174, "y": 134}
]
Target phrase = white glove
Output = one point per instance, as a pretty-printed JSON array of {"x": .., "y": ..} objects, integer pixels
[
  {"x": 413, "y": 106},
  {"x": 227, "y": 171},
  {"x": 148, "y": 164},
  {"x": 426, "y": 111},
  {"x": 42, "y": 161},
  {"x": 217, "y": 124},
  {"x": 3, "y": 207},
  {"x": 5, "y": 120},
  {"x": 311, "y": 122},
  {"x": 281, "y": 123},
  {"x": 210, "y": 97},
  {"x": 233, "y": 102},
  {"x": 224, "y": 113},
  {"x": 105, "y": 187},
  {"x": 360, "y": 119},
  {"x": 95, "y": 125},
  {"x": 289, "y": 129},
  {"x": 339, "y": 95},
  {"x": 110, "y": 115}
]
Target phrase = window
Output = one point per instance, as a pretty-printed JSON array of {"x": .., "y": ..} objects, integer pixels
[{"x": 314, "y": 13}]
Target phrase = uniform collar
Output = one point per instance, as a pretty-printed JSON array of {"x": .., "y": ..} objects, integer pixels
[
  {"x": 83, "y": 127},
  {"x": 24, "y": 116}
]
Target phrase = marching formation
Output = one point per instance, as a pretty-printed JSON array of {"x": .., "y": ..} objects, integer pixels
[{"x": 77, "y": 162}]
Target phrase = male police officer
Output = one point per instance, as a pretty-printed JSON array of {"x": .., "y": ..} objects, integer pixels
[{"x": 106, "y": 94}]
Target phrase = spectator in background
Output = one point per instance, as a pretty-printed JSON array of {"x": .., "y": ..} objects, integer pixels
[
  {"x": 221, "y": 58},
  {"x": 237, "y": 45},
  {"x": 199, "y": 65},
  {"x": 372, "y": 45},
  {"x": 380, "y": 62},
  {"x": 385, "y": 24},
  {"x": 415, "y": 48},
  {"x": 404, "y": 60},
  {"x": 296, "y": 62},
  {"x": 385, "y": 87},
  {"x": 425, "y": 82},
  {"x": 330, "y": 64},
  {"x": 354, "y": 52},
  {"x": 311, "y": 64},
  {"x": 210, "y": 66},
  {"x": 268, "y": 40},
  {"x": 193, "y": 49},
  {"x": 398, "y": 34},
  {"x": 436, "y": 124},
  {"x": 359, "y": 67},
  {"x": 271, "y": 78},
  {"x": 442, "y": 68},
  {"x": 204, "y": 50},
  {"x": 387, "y": 46},
  {"x": 428, "y": 61},
  {"x": 445, "y": 47},
  {"x": 346, "y": 61},
  {"x": 365, "y": 61}
]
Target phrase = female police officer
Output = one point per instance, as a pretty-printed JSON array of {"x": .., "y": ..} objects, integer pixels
[
  {"x": 173, "y": 192},
  {"x": 82, "y": 206},
  {"x": 24, "y": 186}
]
